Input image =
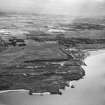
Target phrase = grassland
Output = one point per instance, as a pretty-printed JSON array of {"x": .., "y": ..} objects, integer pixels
[{"x": 44, "y": 62}]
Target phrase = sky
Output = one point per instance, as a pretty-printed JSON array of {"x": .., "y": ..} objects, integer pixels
[{"x": 69, "y": 7}]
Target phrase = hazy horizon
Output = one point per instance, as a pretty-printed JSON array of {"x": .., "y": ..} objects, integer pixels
[{"x": 63, "y": 7}]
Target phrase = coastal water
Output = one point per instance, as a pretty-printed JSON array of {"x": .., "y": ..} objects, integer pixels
[{"x": 87, "y": 91}]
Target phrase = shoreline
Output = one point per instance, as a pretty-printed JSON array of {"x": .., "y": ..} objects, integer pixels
[
  {"x": 23, "y": 90},
  {"x": 4, "y": 91},
  {"x": 88, "y": 53}
]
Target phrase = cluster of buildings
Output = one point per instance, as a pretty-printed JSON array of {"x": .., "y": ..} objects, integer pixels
[{"x": 11, "y": 40}]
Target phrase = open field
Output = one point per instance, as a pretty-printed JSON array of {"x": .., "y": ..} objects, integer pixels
[
  {"x": 46, "y": 59},
  {"x": 37, "y": 68}
]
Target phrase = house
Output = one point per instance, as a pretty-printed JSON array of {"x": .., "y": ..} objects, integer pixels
[{"x": 17, "y": 42}]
